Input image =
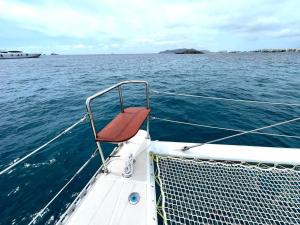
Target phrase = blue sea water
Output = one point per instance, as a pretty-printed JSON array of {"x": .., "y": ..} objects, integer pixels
[{"x": 41, "y": 97}]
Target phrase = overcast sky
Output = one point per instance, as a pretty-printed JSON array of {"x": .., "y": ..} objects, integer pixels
[{"x": 146, "y": 26}]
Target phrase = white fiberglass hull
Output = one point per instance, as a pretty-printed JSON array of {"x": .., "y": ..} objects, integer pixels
[
  {"x": 18, "y": 56},
  {"x": 105, "y": 200}
]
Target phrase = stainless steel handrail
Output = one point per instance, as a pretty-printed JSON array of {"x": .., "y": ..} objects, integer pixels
[{"x": 100, "y": 93}]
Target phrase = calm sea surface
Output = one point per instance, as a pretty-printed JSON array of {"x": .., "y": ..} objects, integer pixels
[{"x": 41, "y": 97}]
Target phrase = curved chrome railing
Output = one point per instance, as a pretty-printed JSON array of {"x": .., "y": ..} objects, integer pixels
[
  {"x": 100, "y": 93},
  {"x": 17, "y": 161}
]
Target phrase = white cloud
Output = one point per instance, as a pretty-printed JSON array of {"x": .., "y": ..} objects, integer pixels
[
  {"x": 155, "y": 23},
  {"x": 55, "y": 20}
]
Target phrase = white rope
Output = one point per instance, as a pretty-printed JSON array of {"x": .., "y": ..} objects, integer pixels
[
  {"x": 18, "y": 161},
  {"x": 41, "y": 212},
  {"x": 226, "y": 99},
  {"x": 223, "y": 128},
  {"x": 242, "y": 133}
]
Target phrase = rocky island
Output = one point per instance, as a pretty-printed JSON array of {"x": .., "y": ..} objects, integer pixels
[{"x": 182, "y": 51}]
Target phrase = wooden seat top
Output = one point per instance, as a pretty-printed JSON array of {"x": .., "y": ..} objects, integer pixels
[{"x": 124, "y": 126}]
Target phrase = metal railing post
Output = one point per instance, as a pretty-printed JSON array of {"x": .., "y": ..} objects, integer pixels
[
  {"x": 95, "y": 134},
  {"x": 105, "y": 170},
  {"x": 92, "y": 122},
  {"x": 148, "y": 107},
  {"x": 121, "y": 98},
  {"x": 147, "y": 95},
  {"x": 148, "y": 134}
]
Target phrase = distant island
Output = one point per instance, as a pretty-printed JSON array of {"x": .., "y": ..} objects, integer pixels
[
  {"x": 183, "y": 51},
  {"x": 195, "y": 51}
]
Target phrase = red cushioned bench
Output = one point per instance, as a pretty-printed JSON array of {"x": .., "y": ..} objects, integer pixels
[{"x": 124, "y": 126}]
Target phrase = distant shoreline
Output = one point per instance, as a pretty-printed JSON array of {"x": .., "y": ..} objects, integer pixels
[
  {"x": 195, "y": 51},
  {"x": 153, "y": 53},
  {"x": 269, "y": 50}
]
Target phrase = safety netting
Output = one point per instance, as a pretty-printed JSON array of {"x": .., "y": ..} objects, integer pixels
[{"x": 219, "y": 192}]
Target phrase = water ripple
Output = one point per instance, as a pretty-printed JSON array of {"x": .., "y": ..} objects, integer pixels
[{"x": 40, "y": 97}]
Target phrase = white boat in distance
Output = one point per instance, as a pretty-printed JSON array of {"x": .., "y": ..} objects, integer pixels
[{"x": 17, "y": 55}]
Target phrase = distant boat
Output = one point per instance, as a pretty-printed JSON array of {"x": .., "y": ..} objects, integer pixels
[{"x": 17, "y": 55}]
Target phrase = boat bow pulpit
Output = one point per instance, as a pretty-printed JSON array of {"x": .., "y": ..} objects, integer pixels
[
  {"x": 126, "y": 124},
  {"x": 184, "y": 183}
]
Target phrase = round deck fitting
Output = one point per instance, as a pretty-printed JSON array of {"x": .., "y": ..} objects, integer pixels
[{"x": 134, "y": 198}]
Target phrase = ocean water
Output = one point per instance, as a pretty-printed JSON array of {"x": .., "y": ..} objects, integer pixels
[{"x": 41, "y": 97}]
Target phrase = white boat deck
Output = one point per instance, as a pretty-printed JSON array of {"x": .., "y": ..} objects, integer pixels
[{"x": 106, "y": 201}]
